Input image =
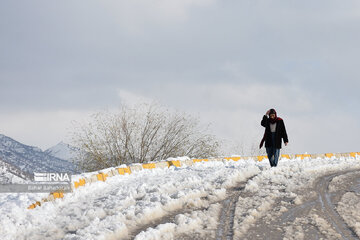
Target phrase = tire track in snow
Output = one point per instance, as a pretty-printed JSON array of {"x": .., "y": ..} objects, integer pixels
[
  {"x": 225, "y": 230},
  {"x": 328, "y": 208},
  {"x": 304, "y": 218},
  {"x": 226, "y": 218},
  {"x": 226, "y": 221}
]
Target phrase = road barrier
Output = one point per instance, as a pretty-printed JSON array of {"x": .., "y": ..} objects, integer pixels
[{"x": 102, "y": 176}]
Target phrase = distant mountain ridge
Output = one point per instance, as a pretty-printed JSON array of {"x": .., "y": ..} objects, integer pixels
[
  {"x": 63, "y": 151},
  {"x": 31, "y": 159}
]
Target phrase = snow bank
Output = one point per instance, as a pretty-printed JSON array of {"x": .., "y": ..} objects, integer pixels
[
  {"x": 123, "y": 204},
  {"x": 325, "y": 227},
  {"x": 349, "y": 210},
  {"x": 199, "y": 223},
  {"x": 128, "y": 204}
]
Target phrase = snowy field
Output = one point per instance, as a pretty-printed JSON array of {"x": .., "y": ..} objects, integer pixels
[{"x": 299, "y": 199}]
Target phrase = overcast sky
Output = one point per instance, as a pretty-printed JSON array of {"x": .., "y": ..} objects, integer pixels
[{"x": 226, "y": 61}]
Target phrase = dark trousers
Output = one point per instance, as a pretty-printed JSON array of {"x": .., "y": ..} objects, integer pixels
[{"x": 273, "y": 153}]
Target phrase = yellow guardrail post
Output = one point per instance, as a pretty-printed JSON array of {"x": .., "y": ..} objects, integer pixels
[
  {"x": 233, "y": 158},
  {"x": 200, "y": 160},
  {"x": 122, "y": 171},
  {"x": 82, "y": 182},
  {"x": 260, "y": 158},
  {"x": 176, "y": 163},
  {"x": 148, "y": 165},
  {"x": 353, "y": 154},
  {"x": 101, "y": 177}
]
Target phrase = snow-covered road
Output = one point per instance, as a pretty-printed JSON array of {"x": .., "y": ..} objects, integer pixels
[
  {"x": 300, "y": 199},
  {"x": 315, "y": 216}
]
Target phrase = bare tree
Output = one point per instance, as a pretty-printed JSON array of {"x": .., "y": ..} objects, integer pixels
[{"x": 141, "y": 134}]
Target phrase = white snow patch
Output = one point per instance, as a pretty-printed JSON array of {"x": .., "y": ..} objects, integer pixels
[
  {"x": 349, "y": 210},
  {"x": 324, "y": 227},
  {"x": 197, "y": 222}
]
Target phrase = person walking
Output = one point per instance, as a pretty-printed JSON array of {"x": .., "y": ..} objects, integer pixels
[{"x": 274, "y": 132}]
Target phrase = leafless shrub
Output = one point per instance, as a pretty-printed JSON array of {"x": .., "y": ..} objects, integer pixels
[{"x": 138, "y": 135}]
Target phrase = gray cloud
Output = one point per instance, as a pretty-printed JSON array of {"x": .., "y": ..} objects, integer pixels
[{"x": 195, "y": 55}]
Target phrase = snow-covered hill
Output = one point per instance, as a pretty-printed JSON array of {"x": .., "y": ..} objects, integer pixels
[
  {"x": 11, "y": 174},
  {"x": 63, "y": 151},
  {"x": 31, "y": 159}
]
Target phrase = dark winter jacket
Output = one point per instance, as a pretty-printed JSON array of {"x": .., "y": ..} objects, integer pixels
[{"x": 280, "y": 132}]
